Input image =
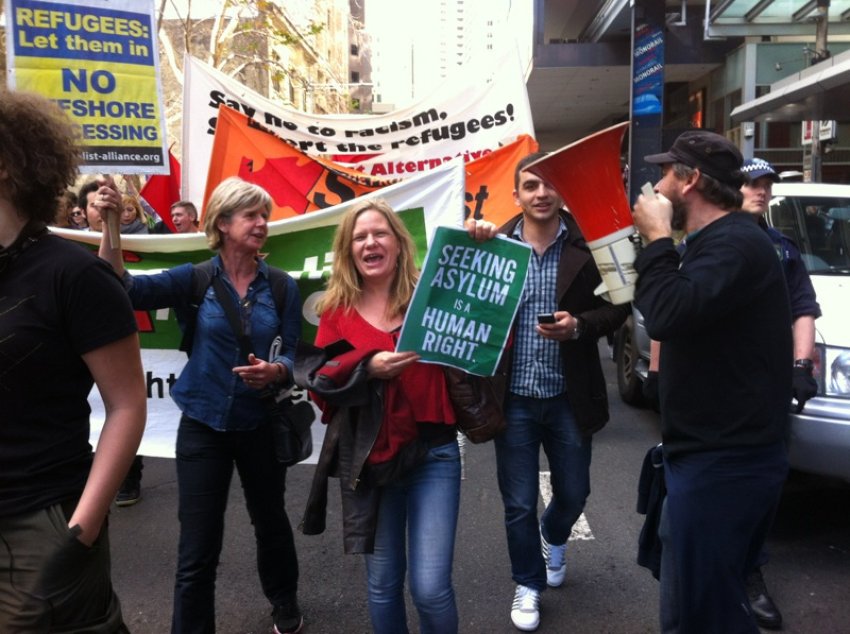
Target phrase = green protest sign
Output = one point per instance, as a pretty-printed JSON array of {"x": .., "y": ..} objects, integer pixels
[{"x": 465, "y": 301}]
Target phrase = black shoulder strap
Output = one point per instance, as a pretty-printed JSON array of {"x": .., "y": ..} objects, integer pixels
[
  {"x": 202, "y": 275},
  {"x": 232, "y": 313},
  {"x": 202, "y": 278},
  {"x": 278, "y": 280}
]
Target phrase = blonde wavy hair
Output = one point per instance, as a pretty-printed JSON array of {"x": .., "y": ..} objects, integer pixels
[
  {"x": 344, "y": 284},
  {"x": 231, "y": 195}
]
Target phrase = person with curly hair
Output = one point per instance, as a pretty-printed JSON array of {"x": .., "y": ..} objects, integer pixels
[{"x": 65, "y": 324}]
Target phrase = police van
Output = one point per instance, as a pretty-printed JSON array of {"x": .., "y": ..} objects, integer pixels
[{"x": 817, "y": 217}]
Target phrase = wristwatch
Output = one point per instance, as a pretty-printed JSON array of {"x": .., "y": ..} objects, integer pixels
[
  {"x": 579, "y": 327},
  {"x": 807, "y": 364}
]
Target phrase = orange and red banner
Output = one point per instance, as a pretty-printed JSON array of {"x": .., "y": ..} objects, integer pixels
[{"x": 299, "y": 183}]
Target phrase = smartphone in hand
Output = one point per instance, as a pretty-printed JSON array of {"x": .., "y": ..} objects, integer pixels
[{"x": 546, "y": 318}]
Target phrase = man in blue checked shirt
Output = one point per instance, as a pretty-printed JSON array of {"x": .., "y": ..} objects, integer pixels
[{"x": 557, "y": 395}]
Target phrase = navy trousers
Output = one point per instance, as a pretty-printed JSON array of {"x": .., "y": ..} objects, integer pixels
[{"x": 718, "y": 509}]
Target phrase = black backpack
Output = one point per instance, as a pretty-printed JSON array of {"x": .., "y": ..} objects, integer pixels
[{"x": 202, "y": 276}]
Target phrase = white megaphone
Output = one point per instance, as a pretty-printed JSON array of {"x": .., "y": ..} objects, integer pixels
[{"x": 587, "y": 176}]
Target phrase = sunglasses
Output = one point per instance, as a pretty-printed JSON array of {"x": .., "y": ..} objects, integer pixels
[{"x": 76, "y": 213}]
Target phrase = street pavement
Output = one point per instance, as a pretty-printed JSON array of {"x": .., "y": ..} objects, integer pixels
[{"x": 606, "y": 592}]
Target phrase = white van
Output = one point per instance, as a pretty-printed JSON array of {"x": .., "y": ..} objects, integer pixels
[{"x": 817, "y": 217}]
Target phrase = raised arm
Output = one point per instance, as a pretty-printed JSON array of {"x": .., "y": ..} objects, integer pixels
[{"x": 108, "y": 201}]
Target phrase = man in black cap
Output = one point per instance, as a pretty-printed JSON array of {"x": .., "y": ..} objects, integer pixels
[
  {"x": 721, "y": 311},
  {"x": 757, "y": 191}
]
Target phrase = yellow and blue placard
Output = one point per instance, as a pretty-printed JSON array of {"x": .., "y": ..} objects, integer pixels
[{"x": 99, "y": 61}]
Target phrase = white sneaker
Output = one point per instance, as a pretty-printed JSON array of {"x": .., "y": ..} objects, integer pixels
[
  {"x": 525, "y": 611},
  {"x": 556, "y": 562}
]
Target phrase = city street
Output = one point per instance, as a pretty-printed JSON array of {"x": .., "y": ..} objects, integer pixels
[{"x": 605, "y": 591}]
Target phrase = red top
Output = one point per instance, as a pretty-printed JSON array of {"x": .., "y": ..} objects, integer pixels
[{"x": 417, "y": 395}]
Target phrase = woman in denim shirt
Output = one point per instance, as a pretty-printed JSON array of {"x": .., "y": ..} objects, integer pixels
[{"x": 224, "y": 418}]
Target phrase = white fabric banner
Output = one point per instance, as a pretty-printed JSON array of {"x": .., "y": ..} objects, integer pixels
[
  {"x": 301, "y": 246},
  {"x": 465, "y": 116}
]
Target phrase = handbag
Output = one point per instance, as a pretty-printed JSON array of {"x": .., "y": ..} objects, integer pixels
[
  {"x": 478, "y": 403},
  {"x": 290, "y": 421}
]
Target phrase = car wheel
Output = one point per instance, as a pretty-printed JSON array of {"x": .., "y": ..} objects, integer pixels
[{"x": 629, "y": 383}]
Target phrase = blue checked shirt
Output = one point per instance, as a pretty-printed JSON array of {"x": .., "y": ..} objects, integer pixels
[{"x": 538, "y": 369}]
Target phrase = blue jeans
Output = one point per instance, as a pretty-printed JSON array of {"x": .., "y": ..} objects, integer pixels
[
  {"x": 205, "y": 460},
  {"x": 533, "y": 422},
  {"x": 719, "y": 507},
  {"x": 427, "y": 502}
]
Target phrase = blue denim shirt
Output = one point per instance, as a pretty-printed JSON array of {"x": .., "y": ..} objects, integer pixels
[{"x": 207, "y": 389}]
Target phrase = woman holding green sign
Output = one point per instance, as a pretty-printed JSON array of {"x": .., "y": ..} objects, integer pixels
[{"x": 391, "y": 434}]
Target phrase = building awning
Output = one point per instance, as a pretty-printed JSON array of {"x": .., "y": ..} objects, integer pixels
[
  {"x": 820, "y": 92},
  {"x": 739, "y": 18}
]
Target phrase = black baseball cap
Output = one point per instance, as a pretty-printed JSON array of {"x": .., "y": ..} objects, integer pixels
[{"x": 711, "y": 153}]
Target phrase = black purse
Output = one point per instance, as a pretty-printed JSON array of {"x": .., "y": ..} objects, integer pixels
[{"x": 290, "y": 421}]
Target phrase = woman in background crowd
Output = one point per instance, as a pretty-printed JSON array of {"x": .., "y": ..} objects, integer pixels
[
  {"x": 65, "y": 204},
  {"x": 133, "y": 219},
  {"x": 77, "y": 218}
]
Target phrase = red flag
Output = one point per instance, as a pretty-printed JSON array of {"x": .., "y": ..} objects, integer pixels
[{"x": 163, "y": 191}]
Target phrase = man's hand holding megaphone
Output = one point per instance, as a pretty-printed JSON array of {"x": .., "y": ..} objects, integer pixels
[{"x": 653, "y": 214}]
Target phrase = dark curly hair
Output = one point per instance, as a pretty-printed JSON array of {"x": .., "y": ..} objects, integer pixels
[{"x": 38, "y": 153}]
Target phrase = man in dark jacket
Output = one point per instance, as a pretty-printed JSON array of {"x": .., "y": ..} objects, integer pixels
[
  {"x": 721, "y": 312},
  {"x": 557, "y": 394}
]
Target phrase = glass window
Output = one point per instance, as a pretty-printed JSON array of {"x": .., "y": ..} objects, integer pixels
[{"x": 821, "y": 228}]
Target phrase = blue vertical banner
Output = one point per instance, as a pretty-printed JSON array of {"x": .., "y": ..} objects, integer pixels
[
  {"x": 98, "y": 60},
  {"x": 648, "y": 70},
  {"x": 647, "y": 92}
]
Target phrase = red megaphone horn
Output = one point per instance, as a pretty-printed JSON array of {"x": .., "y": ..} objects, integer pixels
[{"x": 588, "y": 177}]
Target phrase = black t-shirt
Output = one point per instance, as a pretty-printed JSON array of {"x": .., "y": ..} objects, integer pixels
[{"x": 58, "y": 301}]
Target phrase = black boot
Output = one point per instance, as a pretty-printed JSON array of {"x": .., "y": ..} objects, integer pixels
[
  {"x": 765, "y": 610},
  {"x": 287, "y": 616},
  {"x": 131, "y": 489}
]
